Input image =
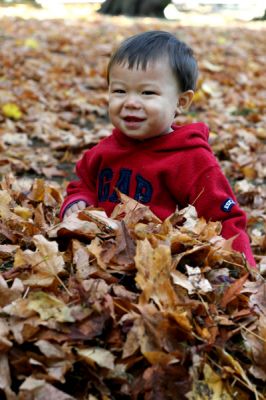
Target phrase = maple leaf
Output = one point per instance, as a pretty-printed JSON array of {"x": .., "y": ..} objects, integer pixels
[
  {"x": 7, "y": 295},
  {"x": 81, "y": 260},
  {"x": 233, "y": 290},
  {"x": 153, "y": 276},
  {"x": 41, "y": 192},
  {"x": 75, "y": 226},
  {"x": 137, "y": 338},
  {"x": 48, "y": 306},
  {"x": 132, "y": 211},
  {"x": 46, "y": 262},
  {"x": 100, "y": 218},
  {"x": 11, "y": 110}
]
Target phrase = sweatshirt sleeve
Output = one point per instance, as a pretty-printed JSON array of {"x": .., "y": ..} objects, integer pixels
[
  {"x": 214, "y": 199},
  {"x": 85, "y": 187}
]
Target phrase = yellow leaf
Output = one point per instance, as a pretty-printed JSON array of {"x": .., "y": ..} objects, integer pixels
[
  {"x": 48, "y": 306},
  {"x": 211, "y": 388},
  {"x": 159, "y": 357},
  {"x": 41, "y": 192},
  {"x": 249, "y": 171},
  {"x": 31, "y": 43},
  {"x": 23, "y": 212},
  {"x": 215, "y": 384},
  {"x": 261, "y": 133},
  {"x": 221, "y": 40},
  {"x": 228, "y": 358},
  {"x": 38, "y": 190},
  {"x": 198, "y": 96},
  {"x": 153, "y": 275},
  {"x": 96, "y": 249},
  {"x": 181, "y": 318},
  {"x": 11, "y": 110},
  {"x": 46, "y": 262},
  {"x": 202, "y": 331}
]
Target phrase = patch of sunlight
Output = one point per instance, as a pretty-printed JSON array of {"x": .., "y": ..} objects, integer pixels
[
  {"x": 51, "y": 10},
  {"x": 171, "y": 12}
]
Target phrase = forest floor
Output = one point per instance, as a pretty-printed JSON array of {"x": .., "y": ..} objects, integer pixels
[{"x": 87, "y": 318}]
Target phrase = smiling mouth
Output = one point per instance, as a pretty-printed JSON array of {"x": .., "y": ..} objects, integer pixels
[{"x": 133, "y": 119}]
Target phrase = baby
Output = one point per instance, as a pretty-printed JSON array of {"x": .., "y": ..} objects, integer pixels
[{"x": 152, "y": 77}]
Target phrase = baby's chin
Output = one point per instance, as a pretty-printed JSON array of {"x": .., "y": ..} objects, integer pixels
[
  {"x": 141, "y": 136},
  {"x": 144, "y": 135}
]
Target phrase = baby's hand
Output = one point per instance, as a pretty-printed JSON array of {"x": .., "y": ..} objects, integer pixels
[{"x": 80, "y": 205}]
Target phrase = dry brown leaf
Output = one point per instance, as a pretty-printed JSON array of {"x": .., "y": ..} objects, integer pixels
[
  {"x": 5, "y": 378},
  {"x": 74, "y": 225},
  {"x": 233, "y": 290}
]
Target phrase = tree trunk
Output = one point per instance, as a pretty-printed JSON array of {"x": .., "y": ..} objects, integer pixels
[
  {"x": 148, "y": 8},
  {"x": 262, "y": 18}
]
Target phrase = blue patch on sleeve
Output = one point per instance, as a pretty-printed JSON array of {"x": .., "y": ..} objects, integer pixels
[{"x": 227, "y": 205}]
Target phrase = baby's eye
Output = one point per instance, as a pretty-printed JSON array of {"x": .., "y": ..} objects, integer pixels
[
  {"x": 118, "y": 91},
  {"x": 148, "y": 92}
]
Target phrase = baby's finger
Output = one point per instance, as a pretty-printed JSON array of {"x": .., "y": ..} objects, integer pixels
[
  {"x": 81, "y": 205},
  {"x": 71, "y": 210}
]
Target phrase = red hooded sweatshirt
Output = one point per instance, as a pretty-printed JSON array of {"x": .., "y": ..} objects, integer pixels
[{"x": 163, "y": 172}]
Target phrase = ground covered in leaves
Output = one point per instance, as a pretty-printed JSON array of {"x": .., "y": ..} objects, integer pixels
[{"x": 127, "y": 307}]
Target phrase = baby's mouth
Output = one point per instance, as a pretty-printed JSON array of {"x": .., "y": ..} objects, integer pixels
[{"x": 133, "y": 119}]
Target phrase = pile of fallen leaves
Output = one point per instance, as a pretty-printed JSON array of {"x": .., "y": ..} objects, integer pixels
[{"x": 126, "y": 307}]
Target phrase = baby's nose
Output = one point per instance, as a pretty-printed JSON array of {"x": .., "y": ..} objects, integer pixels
[{"x": 132, "y": 101}]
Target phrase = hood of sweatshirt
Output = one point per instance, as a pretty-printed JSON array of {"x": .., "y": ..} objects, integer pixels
[{"x": 181, "y": 138}]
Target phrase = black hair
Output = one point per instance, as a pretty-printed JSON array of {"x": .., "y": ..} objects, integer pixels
[{"x": 140, "y": 49}]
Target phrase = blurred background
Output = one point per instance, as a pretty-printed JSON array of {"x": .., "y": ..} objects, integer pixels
[{"x": 169, "y": 9}]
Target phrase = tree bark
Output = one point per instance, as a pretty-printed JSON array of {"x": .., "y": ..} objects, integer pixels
[
  {"x": 262, "y": 18},
  {"x": 148, "y": 8}
]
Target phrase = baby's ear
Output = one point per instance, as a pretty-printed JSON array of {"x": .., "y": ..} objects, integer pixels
[{"x": 184, "y": 100}]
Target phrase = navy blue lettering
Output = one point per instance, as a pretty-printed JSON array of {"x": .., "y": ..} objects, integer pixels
[
  {"x": 105, "y": 178},
  {"x": 143, "y": 190},
  {"x": 122, "y": 184}
]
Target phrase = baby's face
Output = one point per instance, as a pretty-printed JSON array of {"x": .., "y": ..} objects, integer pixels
[{"x": 143, "y": 103}]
